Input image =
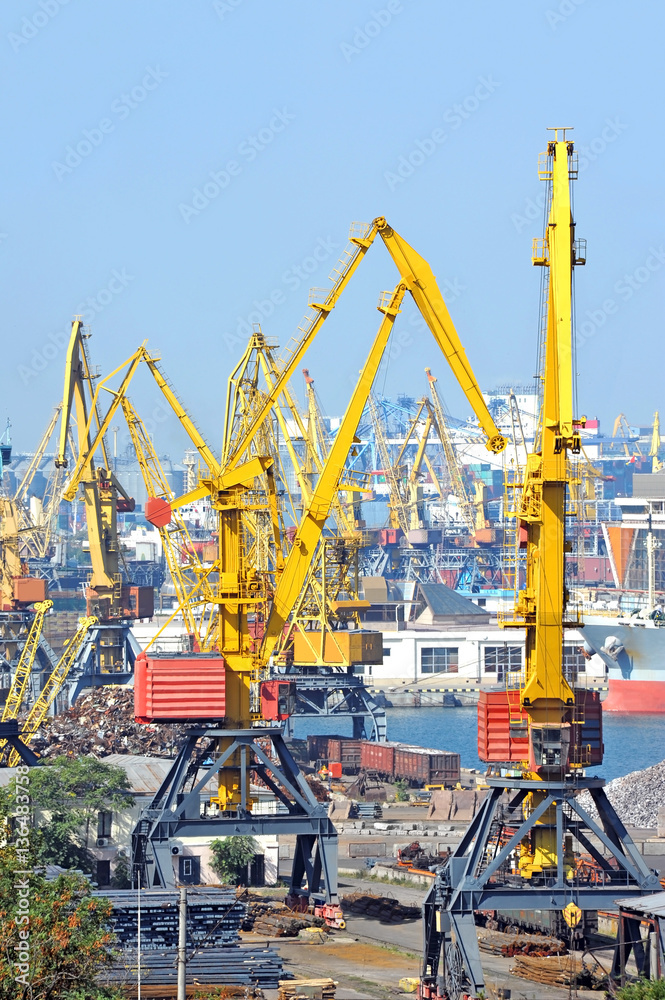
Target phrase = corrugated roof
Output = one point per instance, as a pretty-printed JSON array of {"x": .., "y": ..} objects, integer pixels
[
  {"x": 146, "y": 774},
  {"x": 444, "y": 602},
  {"x": 654, "y": 904}
]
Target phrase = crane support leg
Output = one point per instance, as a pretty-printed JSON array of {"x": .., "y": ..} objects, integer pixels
[
  {"x": 483, "y": 873},
  {"x": 176, "y": 810}
]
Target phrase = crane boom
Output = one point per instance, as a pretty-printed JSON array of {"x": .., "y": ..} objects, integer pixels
[
  {"x": 21, "y": 494},
  {"x": 314, "y": 518},
  {"x": 24, "y": 667},
  {"x": 456, "y": 478},
  {"x": 53, "y": 685},
  {"x": 420, "y": 280}
]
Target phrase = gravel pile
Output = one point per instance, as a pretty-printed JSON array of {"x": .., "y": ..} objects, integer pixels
[
  {"x": 101, "y": 723},
  {"x": 637, "y": 796}
]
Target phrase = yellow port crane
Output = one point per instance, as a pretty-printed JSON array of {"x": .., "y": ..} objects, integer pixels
[
  {"x": 243, "y": 592},
  {"x": 465, "y": 504},
  {"x": 24, "y": 666},
  {"x": 542, "y": 731},
  {"x": 189, "y": 575},
  {"x": 54, "y": 684}
]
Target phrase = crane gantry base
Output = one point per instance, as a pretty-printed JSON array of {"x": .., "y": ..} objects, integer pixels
[
  {"x": 339, "y": 696},
  {"x": 175, "y": 811},
  {"x": 10, "y": 732},
  {"x": 479, "y": 874},
  {"x": 86, "y": 672}
]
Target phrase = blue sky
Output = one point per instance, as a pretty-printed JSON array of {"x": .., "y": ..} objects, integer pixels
[{"x": 292, "y": 120}]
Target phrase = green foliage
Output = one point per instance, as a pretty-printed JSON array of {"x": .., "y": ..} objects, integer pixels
[
  {"x": 122, "y": 875},
  {"x": 402, "y": 790},
  {"x": 73, "y": 791},
  {"x": 69, "y": 941},
  {"x": 644, "y": 989},
  {"x": 231, "y": 857}
]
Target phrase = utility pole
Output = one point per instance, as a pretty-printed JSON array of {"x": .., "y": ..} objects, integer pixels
[{"x": 182, "y": 944}]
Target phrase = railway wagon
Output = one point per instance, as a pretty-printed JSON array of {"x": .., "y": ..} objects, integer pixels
[
  {"x": 423, "y": 766},
  {"x": 317, "y": 746},
  {"x": 345, "y": 752},
  {"x": 379, "y": 757},
  {"x": 549, "y": 922}
]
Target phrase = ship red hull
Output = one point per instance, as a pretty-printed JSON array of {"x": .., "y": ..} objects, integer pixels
[{"x": 636, "y": 697}]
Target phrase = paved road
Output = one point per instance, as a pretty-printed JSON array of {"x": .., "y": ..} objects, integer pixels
[{"x": 409, "y": 936}]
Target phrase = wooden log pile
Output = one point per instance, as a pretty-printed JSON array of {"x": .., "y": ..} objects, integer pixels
[
  {"x": 275, "y": 920},
  {"x": 386, "y": 909},
  {"x": 503, "y": 943},
  {"x": 558, "y": 970}
]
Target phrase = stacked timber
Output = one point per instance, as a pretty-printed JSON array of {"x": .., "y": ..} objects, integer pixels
[{"x": 306, "y": 989}]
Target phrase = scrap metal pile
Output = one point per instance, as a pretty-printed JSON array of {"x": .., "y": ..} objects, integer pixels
[
  {"x": 637, "y": 796},
  {"x": 102, "y": 723}
]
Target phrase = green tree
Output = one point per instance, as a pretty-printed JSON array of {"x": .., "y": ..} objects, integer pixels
[
  {"x": 67, "y": 933},
  {"x": 72, "y": 791},
  {"x": 231, "y": 857},
  {"x": 402, "y": 790},
  {"x": 644, "y": 989}
]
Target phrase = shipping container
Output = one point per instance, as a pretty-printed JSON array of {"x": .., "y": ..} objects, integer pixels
[
  {"x": 28, "y": 589},
  {"x": 342, "y": 648},
  {"x": 180, "y": 687},
  {"x": 423, "y": 766}
]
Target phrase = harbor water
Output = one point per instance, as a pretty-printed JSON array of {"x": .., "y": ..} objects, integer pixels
[{"x": 632, "y": 742}]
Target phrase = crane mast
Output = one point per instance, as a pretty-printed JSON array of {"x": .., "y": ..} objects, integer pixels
[
  {"x": 526, "y": 843},
  {"x": 546, "y": 695}
]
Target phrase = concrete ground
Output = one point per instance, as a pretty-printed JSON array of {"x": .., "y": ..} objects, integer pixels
[{"x": 369, "y": 958}]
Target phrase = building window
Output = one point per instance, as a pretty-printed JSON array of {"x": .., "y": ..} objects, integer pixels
[
  {"x": 500, "y": 659},
  {"x": 386, "y": 651},
  {"x": 439, "y": 659},
  {"x": 104, "y": 824},
  {"x": 574, "y": 662},
  {"x": 190, "y": 870}
]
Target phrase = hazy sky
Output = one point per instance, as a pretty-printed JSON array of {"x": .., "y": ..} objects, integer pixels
[{"x": 177, "y": 170}]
